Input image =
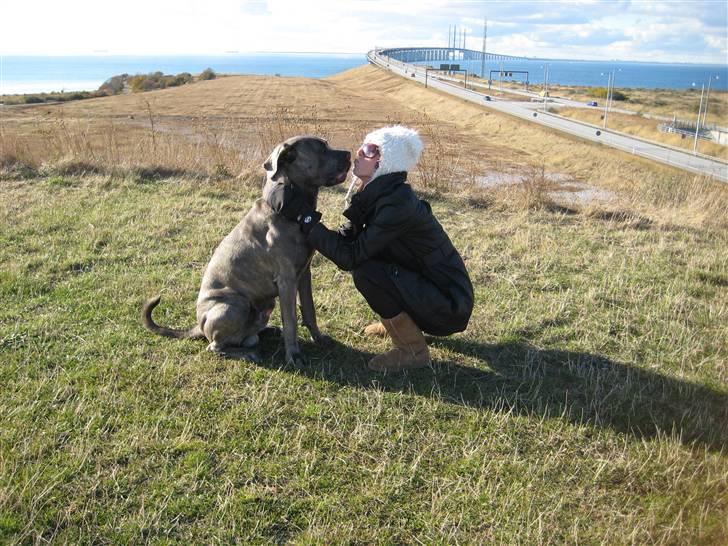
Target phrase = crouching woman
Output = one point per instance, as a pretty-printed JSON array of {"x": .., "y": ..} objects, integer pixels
[{"x": 401, "y": 259}]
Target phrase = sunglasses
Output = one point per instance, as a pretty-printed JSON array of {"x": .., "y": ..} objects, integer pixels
[{"x": 369, "y": 150}]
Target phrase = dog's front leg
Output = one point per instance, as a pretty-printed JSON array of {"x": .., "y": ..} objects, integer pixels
[
  {"x": 308, "y": 311},
  {"x": 287, "y": 297}
]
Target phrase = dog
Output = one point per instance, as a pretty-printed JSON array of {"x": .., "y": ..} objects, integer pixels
[{"x": 265, "y": 256}]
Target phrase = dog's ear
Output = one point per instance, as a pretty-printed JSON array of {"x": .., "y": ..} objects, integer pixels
[{"x": 282, "y": 155}]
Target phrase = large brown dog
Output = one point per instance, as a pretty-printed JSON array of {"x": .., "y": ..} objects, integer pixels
[{"x": 265, "y": 256}]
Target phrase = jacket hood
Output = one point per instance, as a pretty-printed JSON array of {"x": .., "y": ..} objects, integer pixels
[{"x": 400, "y": 148}]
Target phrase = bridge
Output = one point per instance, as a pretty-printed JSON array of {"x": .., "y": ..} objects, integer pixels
[{"x": 432, "y": 54}]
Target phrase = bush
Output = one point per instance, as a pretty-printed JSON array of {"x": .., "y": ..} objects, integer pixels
[
  {"x": 208, "y": 74},
  {"x": 140, "y": 83},
  {"x": 114, "y": 85},
  {"x": 33, "y": 100},
  {"x": 601, "y": 92},
  {"x": 179, "y": 79},
  {"x": 147, "y": 82}
]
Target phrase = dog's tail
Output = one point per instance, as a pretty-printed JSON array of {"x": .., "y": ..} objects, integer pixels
[{"x": 149, "y": 324}]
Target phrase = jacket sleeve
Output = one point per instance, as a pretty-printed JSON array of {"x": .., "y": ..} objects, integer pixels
[{"x": 388, "y": 224}]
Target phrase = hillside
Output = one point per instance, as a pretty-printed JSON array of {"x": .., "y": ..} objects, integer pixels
[
  {"x": 587, "y": 402},
  {"x": 467, "y": 142}
]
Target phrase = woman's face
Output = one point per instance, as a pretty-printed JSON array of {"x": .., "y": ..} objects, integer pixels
[{"x": 366, "y": 162}]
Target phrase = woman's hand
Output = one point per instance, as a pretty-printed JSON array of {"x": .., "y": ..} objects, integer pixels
[{"x": 348, "y": 230}]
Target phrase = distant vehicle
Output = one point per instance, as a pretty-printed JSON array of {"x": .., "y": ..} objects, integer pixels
[
  {"x": 412, "y": 75},
  {"x": 487, "y": 98},
  {"x": 592, "y": 103}
]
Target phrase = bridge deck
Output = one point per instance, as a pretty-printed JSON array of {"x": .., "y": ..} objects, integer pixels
[{"x": 426, "y": 54}]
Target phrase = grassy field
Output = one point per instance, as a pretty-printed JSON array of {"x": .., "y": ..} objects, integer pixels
[{"x": 587, "y": 403}]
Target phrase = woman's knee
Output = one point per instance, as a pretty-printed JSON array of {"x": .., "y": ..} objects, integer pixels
[{"x": 368, "y": 274}]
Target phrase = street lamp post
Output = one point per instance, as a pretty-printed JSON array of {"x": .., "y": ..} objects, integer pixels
[
  {"x": 697, "y": 125},
  {"x": 610, "y": 84},
  {"x": 707, "y": 97}
]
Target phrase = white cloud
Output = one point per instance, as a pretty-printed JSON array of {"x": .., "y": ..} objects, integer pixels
[{"x": 657, "y": 30}]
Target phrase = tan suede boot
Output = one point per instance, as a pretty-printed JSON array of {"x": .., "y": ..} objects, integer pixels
[
  {"x": 410, "y": 348},
  {"x": 375, "y": 329}
]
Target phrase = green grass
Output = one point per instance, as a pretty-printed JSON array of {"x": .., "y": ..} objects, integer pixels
[{"x": 587, "y": 402}]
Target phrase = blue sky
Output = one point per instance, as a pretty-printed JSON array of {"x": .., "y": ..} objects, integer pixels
[{"x": 668, "y": 31}]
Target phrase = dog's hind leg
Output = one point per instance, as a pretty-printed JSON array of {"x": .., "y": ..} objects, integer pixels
[
  {"x": 224, "y": 324},
  {"x": 262, "y": 312},
  {"x": 251, "y": 354},
  {"x": 233, "y": 325}
]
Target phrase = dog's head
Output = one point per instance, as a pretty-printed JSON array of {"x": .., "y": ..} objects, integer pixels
[{"x": 308, "y": 162}]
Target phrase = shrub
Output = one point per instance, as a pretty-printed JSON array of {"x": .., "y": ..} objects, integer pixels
[
  {"x": 142, "y": 83},
  {"x": 179, "y": 79},
  {"x": 114, "y": 85},
  {"x": 146, "y": 82},
  {"x": 601, "y": 92},
  {"x": 33, "y": 100},
  {"x": 186, "y": 76},
  {"x": 208, "y": 74}
]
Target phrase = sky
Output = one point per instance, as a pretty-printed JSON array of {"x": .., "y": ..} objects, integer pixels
[{"x": 647, "y": 30}]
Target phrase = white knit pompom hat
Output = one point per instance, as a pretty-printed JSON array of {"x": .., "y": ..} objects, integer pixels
[{"x": 400, "y": 148}]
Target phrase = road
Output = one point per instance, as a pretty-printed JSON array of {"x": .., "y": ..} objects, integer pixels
[{"x": 667, "y": 155}]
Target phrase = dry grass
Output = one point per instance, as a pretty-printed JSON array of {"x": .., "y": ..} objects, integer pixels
[
  {"x": 644, "y": 128},
  {"x": 227, "y": 127}
]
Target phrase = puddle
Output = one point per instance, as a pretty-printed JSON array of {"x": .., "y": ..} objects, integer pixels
[
  {"x": 494, "y": 179},
  {"x": 562, "y": 187},
  {"x": 576, "y": 193}
]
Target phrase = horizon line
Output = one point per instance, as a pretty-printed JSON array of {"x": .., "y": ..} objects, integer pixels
[{"x": 230, "y": 53}]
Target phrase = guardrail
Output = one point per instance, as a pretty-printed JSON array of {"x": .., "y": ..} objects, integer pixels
[{"x": 668, "y": 128}]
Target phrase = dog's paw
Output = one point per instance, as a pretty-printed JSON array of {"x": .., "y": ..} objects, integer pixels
[
  {"x": 255, "y": 357},
  {"x": 269, "y": 332},
  {"x": 297, "y": 359},
  {"x": 323, "y": 340}
]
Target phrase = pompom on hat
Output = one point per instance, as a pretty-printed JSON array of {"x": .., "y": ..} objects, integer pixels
[{"x": 399, "y": 147}]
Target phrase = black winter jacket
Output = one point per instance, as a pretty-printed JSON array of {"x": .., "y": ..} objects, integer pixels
[{"x": 388, "y": 223}]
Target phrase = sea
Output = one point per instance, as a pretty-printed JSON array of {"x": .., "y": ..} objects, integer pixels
[
  {"x": 36, "y": 74},
  {"x": 626, "y": 74}
]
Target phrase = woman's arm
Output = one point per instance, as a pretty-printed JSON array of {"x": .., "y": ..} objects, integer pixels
[{"x": 388, "y": 224}]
